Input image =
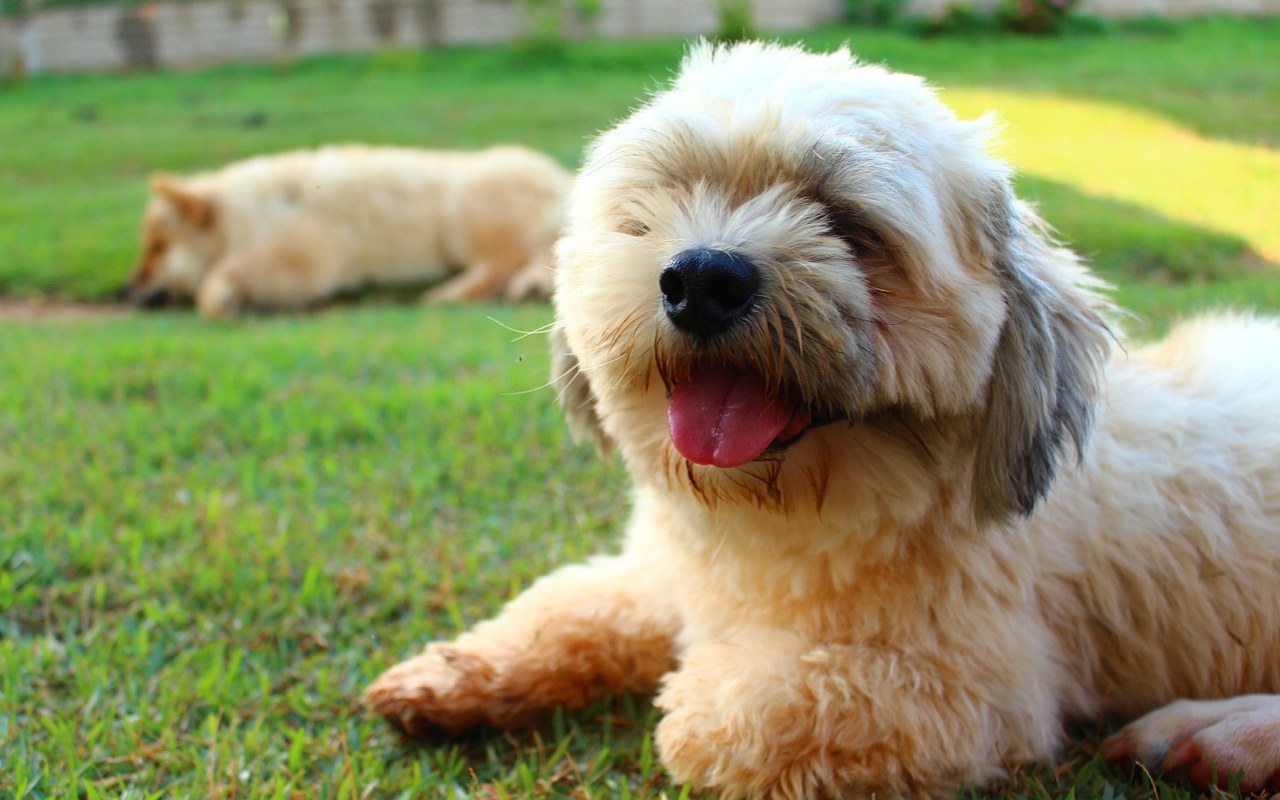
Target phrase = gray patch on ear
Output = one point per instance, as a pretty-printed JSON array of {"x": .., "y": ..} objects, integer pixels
[
  {"x": 575, "y": 396},
  {"x": 1046, "y": 372}
]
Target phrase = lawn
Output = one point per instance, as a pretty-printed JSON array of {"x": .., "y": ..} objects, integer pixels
[{"x": 213, "y": 536}]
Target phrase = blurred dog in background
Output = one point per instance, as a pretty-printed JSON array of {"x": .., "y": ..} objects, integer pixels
[
  {"x": 286, "y": 231},
  {"x": 902, "y": 506}
]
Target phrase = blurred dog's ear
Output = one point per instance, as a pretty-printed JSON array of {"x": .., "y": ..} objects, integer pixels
[
  {"x": 1047, "y": 364},
  {"x": 575, "y": 395},
  {"x": 192, "y": 206}
]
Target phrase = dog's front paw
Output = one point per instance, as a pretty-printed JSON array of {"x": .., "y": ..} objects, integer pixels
[
  {"x": 738, "y": 737},
  {"x": 217, "y": 298},
  {"x": 1209, "y": 741},
  {"x": 696, "y": 744},
  {"x": 441, "y": 692}
]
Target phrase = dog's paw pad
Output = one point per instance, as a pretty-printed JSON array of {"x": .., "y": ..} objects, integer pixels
[{"x": 1209, "y": 742}]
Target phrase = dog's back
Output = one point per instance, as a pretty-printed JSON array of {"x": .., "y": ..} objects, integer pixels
[
  {"x": 290, "y": 229},
  {"x": 394, "y": 213},
  {"x": 1161, "y": 551}
]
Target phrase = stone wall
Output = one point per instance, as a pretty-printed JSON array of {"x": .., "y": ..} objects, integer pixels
[
  {"x": 97, "y": 38},
  {"x": 197, "y": 32},
  {"x": 1121, "y": 9}
]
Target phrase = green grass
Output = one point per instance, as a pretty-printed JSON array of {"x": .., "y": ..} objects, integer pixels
[{"x": 213, "y": 536}]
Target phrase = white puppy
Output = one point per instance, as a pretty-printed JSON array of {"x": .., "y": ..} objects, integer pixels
[
  {"x": 902, "y": 506},
  {"x": 288, "y": 230}
]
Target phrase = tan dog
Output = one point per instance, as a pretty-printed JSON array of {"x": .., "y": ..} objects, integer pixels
[
  {"x": 875, "y": 550},
  {"x": 288, "y": 230}
]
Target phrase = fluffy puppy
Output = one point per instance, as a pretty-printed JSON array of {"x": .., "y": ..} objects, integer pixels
[
  {"x": 285, "y": 231},
  {"x": 902, "y": 506}
]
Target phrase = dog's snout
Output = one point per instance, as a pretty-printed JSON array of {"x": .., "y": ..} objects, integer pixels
[{"x": 705, "y": 291}]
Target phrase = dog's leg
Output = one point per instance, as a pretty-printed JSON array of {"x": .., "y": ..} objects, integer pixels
[
  {"x": 535, "y": 280},
  {"x": 219, "y": 296},
  {"x": 766, "y": 714},
  {"x": 577, "y": 634},
  {"x": 1212, "y": 742},
  {"x": 480, "y": 281}
]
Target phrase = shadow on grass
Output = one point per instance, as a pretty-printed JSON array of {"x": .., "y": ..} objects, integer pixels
[
  {"x": 584, "y": 753},
  {"x": 1078, "y": 773},
  {"x": 590, "y": 752}
]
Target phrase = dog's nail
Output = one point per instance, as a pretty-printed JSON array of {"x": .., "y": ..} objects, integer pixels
[
  {"x": 1115, "y": 748},
  {"x": 1181, "y": 754},
  {"x": 1273, "y": 783},
  {"x": 1202, "y": 774}
]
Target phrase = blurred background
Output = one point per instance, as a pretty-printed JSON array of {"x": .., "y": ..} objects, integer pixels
[{"x": 39, "y": 36}]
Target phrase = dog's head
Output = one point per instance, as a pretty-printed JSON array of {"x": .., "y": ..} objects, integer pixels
[
  {"x": 791, "y": 278},
  {"x": 181, "y": 240}
]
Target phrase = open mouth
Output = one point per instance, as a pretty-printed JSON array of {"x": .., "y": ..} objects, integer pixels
[{"x": 724, "y": 417}]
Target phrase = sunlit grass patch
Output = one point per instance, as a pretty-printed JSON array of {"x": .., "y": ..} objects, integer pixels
[{"x": 1140, "y": 158}]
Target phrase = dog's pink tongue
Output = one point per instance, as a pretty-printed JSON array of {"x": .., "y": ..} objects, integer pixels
[{"x": 724, "y": 417}]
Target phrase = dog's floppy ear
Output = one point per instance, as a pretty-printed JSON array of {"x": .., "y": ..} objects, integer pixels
[
  {"x": 1047, "y": 364},
  {"x": 575, "y": 395},
  {"x": 195, "y": 208}
]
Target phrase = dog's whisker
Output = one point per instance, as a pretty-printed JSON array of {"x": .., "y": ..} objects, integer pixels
[
  {"x": 545, "y": 329},
  {"x": 694, "y": 484},
  {"x": 534, "y": 390},
  {"x": 780, "y": 365},
  {"x": 573, "y": 374},
  {"x": 613, "y": 333},
  {"x": 603, "y": 365},
  {"x": 796, "y": 327}
]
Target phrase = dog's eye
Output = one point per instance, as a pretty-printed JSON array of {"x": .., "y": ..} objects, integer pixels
[
  {"x": 851, "y": 227},
  {"x": 632, "y": 227}
]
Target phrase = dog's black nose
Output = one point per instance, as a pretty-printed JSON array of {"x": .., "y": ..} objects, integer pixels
[{"x": 705, "y": 291}]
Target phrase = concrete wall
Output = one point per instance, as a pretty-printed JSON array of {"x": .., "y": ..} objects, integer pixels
[
  {"x": 1121, "y": 9},
  {"x": 210, "y": 31},
  {"x": 198, "y": 32}
]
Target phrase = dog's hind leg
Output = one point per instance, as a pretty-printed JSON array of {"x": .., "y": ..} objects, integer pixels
[
  {"x": 480, "y": 281},
  {"x": 578, "y": 634},
  {"x": 535, "y": 280},
  {"x": 494, "y": 251},
  {"x": 1210, "y": 742}
]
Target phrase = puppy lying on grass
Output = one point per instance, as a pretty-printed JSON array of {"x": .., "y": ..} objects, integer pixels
[
  {"x": 286, "y": 231},
  {"x": 902, "y": 505}
]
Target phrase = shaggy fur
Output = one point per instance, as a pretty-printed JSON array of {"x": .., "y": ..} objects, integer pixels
[
  {"x": 997, "y": 520},
  {"x": 288, "y": 230}
]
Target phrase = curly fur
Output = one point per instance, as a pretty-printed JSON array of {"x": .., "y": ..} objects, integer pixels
[{"x": 1006, "y": 521}]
